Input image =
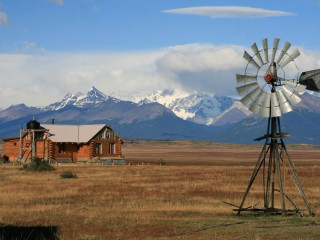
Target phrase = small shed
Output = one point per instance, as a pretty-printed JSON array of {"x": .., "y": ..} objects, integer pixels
[{"x": 64, "y": 143}]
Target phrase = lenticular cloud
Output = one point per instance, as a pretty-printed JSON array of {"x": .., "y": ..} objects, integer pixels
[{"x": 228, "y": 12}]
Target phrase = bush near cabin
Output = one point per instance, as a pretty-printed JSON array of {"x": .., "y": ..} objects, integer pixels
[{"x": 37, "y": 164}]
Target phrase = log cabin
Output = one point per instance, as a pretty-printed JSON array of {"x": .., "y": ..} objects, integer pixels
[{"x": 64, "y": 143}]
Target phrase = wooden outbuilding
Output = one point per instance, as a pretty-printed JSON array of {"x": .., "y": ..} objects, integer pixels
[{"x": 64, "y": 143}]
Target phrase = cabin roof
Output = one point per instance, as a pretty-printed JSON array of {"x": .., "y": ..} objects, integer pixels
[
  {"x": 73, "y": 133},
  {"x": 10, "y": 138}
]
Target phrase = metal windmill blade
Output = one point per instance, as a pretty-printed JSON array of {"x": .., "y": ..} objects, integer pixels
[
  {"x": 265, "y": 108},
  {"x": 245, "y": 78},
  {"x": 246, "y": 88},
  {"x": 257, "y": 104},
  {"x": 274, "y": 49},
  {"x": 251, "y": 60},
  {"x": 275, "y": 106},
  {"x": 284, "y": 50},
  {"x": 249, "y": 99},
  {"x": 283, "y": 102},
  {"x": 311, "y": 79},
  {"x": 265, "y": 49},
  {"x": 257, "y": 53},
  {"x": 294, "y": 85},
  {"x": 291, "y": 96},
  {"x": 290, "y": 58}
]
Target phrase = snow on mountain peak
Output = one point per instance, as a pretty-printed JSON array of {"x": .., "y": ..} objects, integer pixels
[
  {"x": 164, "y": 97},
  {"x": 93, "y": 96},
  {"x": 197, "y": 107},
  {"x": 93, "y": 92},
  {"x": 201, "y": 108}
]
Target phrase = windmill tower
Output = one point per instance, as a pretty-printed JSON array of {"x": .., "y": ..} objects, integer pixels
[{"x": 269, "y": 87}]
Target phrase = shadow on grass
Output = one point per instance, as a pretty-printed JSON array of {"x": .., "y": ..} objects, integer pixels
[{"x": 30, "y": 232}]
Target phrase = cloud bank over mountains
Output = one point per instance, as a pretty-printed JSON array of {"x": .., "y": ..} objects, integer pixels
[{"x": 41, "y": 79}]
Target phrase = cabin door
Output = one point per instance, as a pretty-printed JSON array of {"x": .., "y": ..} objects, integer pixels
[{"x": 74, "y": 156}]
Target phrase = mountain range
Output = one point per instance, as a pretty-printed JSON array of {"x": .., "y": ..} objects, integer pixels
[{"x": 167, "y": 115}]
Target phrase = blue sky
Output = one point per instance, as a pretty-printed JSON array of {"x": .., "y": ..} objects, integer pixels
[{"x": 51, "y": 47}]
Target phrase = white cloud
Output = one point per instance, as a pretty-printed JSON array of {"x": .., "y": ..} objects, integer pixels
[
  {"x": 40, "y": 80},
  {"x": 229, "y": 12},
  {"x": 4, "y": 19},
  {"x": 203, "y": 68},
  {"x": 308, "y": 60},
  {"x": 43, "y": 79},
  {"x": 60, "y": 2},
  {"x": 26, "y": 46},
  {"x": 208, "y": 57}
]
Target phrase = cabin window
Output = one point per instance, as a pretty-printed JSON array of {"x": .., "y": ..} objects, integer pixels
[
  {"x": 106, "y": 134},
  {"x": 98, "y": 148},
  {"x": 111, "y": 148},
  {"x": 62, "y": 147}
]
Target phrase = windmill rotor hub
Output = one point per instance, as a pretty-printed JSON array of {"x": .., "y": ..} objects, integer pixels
[
  {"x": 269, "y": 77},
  {"x": 271, "y": 74}
]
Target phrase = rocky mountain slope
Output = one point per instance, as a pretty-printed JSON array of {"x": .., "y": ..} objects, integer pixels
[
  {"x": 129, "y": 119},
  {"x": 168, "y": 115}
]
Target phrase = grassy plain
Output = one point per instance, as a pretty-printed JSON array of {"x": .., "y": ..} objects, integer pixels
[{"x": 181, "y": 200}]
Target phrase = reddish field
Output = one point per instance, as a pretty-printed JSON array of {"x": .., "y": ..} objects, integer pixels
[
  {"x": 209, "y": 153},
  {"x": 182, "y": 200}
]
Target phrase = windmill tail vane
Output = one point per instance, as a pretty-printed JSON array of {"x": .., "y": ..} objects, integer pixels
[{"x": 311, "y": 79}]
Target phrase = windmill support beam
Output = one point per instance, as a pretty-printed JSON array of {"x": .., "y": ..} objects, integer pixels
[
  {"x": 299, "y": 185},
  {"x": 283, "y": 206},
  {"x": 274, "y": 174},
  {"x": 254, "y": 174}
]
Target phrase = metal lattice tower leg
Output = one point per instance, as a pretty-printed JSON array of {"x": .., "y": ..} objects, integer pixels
[{"x": 273, "y": 144}]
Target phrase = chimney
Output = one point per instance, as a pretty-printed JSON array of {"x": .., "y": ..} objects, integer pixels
[{"x": 52, "y": 120}]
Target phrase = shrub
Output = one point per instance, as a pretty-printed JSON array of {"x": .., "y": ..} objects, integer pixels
[
  {"x": 162, "y": 162},
  {"x": 5, "y": 159},
  {"x": 37, "y": 164},
  {"x": 68, "y": 174}
]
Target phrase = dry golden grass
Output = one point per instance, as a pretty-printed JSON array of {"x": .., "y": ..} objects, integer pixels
[{"x": 179, "y": 201}]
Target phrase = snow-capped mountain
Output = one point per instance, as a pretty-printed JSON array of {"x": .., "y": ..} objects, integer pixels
[
  {"x": 128, "y": 119},
  {"x": 168, "y": 115},
  {"x": 17, "y": 111},
  {"x": 80, "y": 100},
  {"x": 196, "y": 107}
]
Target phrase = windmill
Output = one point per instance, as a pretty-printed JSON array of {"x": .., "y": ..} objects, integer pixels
[{"x": 269, "y": 87}]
